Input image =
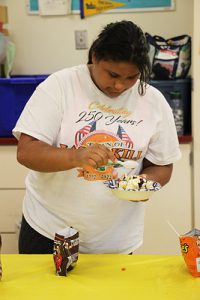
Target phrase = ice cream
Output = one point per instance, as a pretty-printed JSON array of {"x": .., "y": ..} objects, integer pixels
[{"x": 133, "y": 183}]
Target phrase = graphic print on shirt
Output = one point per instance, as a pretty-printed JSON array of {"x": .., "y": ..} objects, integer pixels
[
  {"x": 105, "y": 124},
  {"x": 98, "y": 111},
  {"x": 120, "y": 144}
]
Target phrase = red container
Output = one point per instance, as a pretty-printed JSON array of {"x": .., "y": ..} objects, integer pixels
[{"x": 190, "y": 248}]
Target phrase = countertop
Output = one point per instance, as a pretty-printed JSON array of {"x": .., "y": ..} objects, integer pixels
[{"x": 98, "y": 276}]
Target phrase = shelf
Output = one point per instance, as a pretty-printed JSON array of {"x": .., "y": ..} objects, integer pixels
[
  {"x": 8, "y": 141},
  {"x": 184, "y": 139}
]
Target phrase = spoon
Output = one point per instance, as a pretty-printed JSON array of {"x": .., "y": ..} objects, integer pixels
[{"x": 128, "y": 164}]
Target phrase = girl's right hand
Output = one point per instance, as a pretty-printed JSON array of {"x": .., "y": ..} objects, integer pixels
[{"x": 94, "y": 156}]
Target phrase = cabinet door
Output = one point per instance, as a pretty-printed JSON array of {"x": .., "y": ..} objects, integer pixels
[
  {"x": 13, "y": 174},
  {"x": 171, "y": 204},
  {"x": 10, "y": 209},
  {"x": 10, "y": 218},
  {"x": 9, "y": 243}
]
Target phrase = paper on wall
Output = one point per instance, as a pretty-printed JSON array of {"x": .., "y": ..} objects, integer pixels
[{"x": 54, "y": 7}]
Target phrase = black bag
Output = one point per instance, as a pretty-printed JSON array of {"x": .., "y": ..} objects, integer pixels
[{"x": 171, "y": 58}]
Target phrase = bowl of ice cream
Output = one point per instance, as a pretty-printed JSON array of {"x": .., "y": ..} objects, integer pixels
[{"x": 133, "y": 188}]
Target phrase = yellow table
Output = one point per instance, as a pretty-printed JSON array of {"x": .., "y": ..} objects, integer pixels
[{"x": 105, "y": 277}]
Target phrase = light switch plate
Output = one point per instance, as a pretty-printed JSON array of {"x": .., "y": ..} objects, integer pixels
[{"x": 81, "y": 39}]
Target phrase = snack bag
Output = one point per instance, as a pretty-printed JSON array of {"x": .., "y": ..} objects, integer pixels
[
  {"x": 190, "y": 247},
  {"x": 65, "y": 252},
  {"x": 0, "y": 259}
]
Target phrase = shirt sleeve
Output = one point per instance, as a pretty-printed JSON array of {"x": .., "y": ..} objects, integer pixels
[
  {"x": 164, "y": 145},
  {"x": 42, "y": 115}
]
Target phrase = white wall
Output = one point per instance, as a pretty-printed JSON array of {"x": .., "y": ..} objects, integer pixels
[{"x": 46, "y": 44}]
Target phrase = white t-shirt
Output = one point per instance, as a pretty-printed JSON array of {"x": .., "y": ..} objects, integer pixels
[{"x": 68, "y": 109}]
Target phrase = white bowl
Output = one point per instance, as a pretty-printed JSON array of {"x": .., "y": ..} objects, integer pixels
[
  {"x": 139, "y": 190},
  {"x": 133, "y": 195}
]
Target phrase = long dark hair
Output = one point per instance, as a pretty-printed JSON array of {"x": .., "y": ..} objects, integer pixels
[{"x": 123, "y": 41}]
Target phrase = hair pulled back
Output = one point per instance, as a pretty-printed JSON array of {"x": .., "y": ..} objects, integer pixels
[{"x": 123, "y": 41}]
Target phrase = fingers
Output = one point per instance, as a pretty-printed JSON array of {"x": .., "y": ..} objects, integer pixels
[
  {"x": 99, "y": 155},
  {"x": 95, "y": 156}
]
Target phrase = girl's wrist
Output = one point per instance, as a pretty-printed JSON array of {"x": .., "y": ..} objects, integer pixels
[{"x": 71, "y": 159}]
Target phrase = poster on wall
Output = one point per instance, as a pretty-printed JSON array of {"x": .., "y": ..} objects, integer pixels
[
  {"x": 32, "y": 7},
  {"x": 48, "y": 7},
  {"x": 97, "y": 6},
  {"x": 124, "y": 5}
]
